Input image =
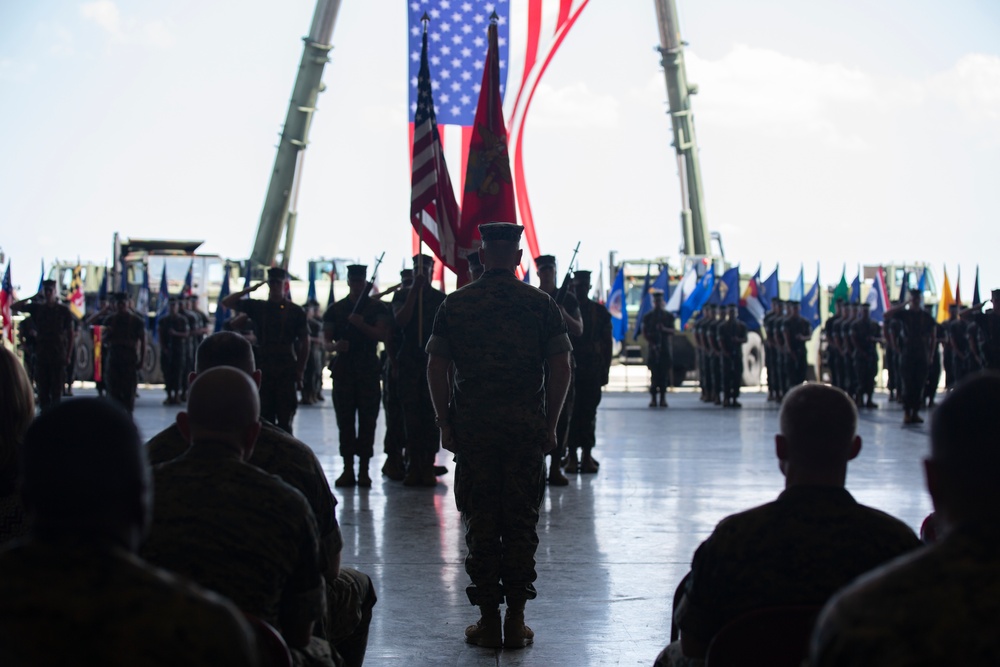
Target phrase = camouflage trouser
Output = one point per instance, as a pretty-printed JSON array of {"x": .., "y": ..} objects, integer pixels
[
  {"x": 50, "y": 377},
  {"x": 122, "y": 376},
  {"x": 913, "y": 375},
  {"x": 278, "y": 401},
  {"x": 499, "y": 482},
  {"x": 172, "y": 364},
  {"x": 933, "y": 378},
  {"x": 423, "y": 438},
  {"x": 866, "y": 368},
  {"x": 395, "y": 430},
  {"x": 659, "y": 373},
  {"x": 583, "y": 425},
  {"x": 732, "y": 374},
  {"x": 349, "y": 601},
  {"x": 356, "y": 398}
]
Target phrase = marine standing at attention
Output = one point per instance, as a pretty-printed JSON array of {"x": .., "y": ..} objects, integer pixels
[
  {"x": 657, "y": 329},
  {"x": 499, "y": 419},
  {"x": 125, "y": 340},
  {"x": 54, "y": 347},
  {"x": 592, "y": 351},
  {"x": 283, "y": 339},
  {"x": 545, "y": 265},
  {"x": 353, "y": 328}
]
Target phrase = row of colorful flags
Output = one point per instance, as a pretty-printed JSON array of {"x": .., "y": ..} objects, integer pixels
[{"x": 693, "y": 293}]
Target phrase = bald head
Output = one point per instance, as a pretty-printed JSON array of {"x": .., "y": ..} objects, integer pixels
[
  {"x": 225, "y": 348},
  {"x": 818, "y": 429},
  {"x": 223, "y": 408}
]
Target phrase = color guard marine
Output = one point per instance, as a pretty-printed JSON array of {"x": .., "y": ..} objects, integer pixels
[
  {"x": 658, "y": 329},
  {"x": 54, "y": 324}
]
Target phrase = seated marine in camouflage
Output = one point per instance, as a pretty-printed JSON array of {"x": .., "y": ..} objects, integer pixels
[
  {"x": 75, "y": 592},
  {"x": 232, "y": 527},
  {"x": 350, "y": 593},
  {"x": 801, "y": 548},
  {"x": 939, "y": 605}
]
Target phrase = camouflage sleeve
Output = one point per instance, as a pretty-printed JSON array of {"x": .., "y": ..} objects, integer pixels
[
  {"x": 556, "y": 338},
  {"x": 438, "y": 343},
  {"x": 304, "y": 597}
]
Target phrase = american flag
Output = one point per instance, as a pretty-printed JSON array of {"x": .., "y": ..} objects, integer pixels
[
  {"x": 530, "y": 33},
  {"x": 433, "y": 209}
]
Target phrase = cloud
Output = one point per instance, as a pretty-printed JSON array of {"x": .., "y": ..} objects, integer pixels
[
  {"x": 573, "y": 106},
  {"x": 126, "y": 30},
  {"x": 14, "y": 70},
  {"x": 973, "y": 85}
]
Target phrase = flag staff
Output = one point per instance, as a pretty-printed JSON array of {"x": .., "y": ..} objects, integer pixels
[{"x": 425, "y": 19}]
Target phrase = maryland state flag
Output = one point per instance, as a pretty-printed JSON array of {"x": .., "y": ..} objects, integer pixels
[
  {"x": 77, "y": 302},
  {"x": 489, "y": 190}
]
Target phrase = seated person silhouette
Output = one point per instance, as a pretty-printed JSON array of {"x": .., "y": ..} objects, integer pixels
[
  {"x": 232, "y": 527},
  {"x": 74, "y": 591},
  {"x": 350, "y": 594},
  {"x": 939, "y": 605},
  {"x": 800, "y": 548}
]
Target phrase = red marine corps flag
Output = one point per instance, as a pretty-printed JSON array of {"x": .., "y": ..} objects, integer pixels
[
  {"x": 489, "y": 189},
  {"x": 433, "y": 209}
]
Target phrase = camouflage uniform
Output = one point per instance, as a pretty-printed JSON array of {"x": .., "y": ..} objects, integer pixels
[
  {"x": 312, "y": 379},
  {"x": 591, "y": 351},
  {"x": 55, "y": 329},
  {"x": 123, "y": 331},
  {"x": 865, "y": 333},
  {"x": 917, "y": 328},
  {"x": 190, "y": 343},
  {"x": 797, "y": 550},
  {"x": 732, "y": 334},
  {"x": 988, "y": 335},
  {"x": 771, "y": 353},
  {"x": 498, "y": 331},
  {"x": 572, "y": 307},
  {"x": 659, "y": 358},
  {"x": 958, "y": 345},
  {"x": 938, "y": 606},
  {"x": 795, "y": 360},
  {"x": 70, "y": 604},
  {"x": 240, "y": 531},
  {"x": 356, "y": 390},
  {"x": 350, "y": 597},
  {"x": 173, "y": 346},
  {"x": 280, "y": 329},
  {"x": 422, "y": 436},
  {"x": 835, "y": 360}
]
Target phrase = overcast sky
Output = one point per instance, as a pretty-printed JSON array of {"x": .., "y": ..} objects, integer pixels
[{"x": 832, "y": 131}]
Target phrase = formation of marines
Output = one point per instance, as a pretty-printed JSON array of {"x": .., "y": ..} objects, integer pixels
[{"x": 718, "y": 337}]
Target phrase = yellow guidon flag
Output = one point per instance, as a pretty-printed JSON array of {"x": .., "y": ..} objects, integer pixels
[{"x": 946, "y": 300}]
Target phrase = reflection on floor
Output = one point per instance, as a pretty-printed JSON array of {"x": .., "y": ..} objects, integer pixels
[{"x": 613, "y": 546}]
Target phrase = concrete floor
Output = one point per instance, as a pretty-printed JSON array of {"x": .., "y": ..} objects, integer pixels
[{"x": 613, "y": 546}]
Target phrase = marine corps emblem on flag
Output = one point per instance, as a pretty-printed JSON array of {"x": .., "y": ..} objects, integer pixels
[{"x": 488, "y": 166}]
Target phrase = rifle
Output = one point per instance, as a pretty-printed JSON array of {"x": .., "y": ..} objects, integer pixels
[
  {"x": 561, "y": 292},
  {"x": 359, "y": 305}
]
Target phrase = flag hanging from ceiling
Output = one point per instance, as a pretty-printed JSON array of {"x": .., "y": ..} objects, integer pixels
[
  {"x": 946, "y": 300},
  {"x": 457, "y": 53},
  {"x": 489, "y": 190},
  {"x": 433, "y": 209}
]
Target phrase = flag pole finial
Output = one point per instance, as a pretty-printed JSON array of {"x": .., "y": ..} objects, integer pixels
[
  {"x": 493, "y": 17},
  {"x": 426, "y": 21}
]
